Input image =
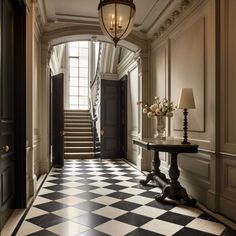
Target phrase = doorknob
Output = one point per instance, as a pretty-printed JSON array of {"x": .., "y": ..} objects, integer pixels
[
  {"x": 102, "y": 132},
  {"x": 62, "y": 133},
  {"x": 5, "y": 148}
]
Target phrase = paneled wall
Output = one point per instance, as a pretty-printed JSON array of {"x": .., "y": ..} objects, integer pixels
[
  {"x": 185, "y": 57},
  {"x": 227, "y": 83}
]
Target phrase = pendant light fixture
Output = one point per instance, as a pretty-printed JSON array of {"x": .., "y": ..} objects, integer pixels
[{"x": 116, "y": 18}]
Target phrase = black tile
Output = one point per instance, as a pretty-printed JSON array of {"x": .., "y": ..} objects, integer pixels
[
  {"x": 91, "y": 220},
  {"x": 176, "y": 218},
  {"x": 205, "y": 216},
  {"x": 140, "y": 186},
  {"x": 54, "y": 195},
  {"x": 85, "y": 175},
  {"x": 56, "y": 187},
  {"x": 86, "y": 187},
  {"x": 229, "y": 232},
  {"x": 93, "y": 232},
  {"x": 85, "y": 181},
  {"x": 131, "y": 175},
  {"x": 108, "y": 175},
  {"x": 59, "y": 181},
  {"x": 148, "y": 194},
  {"x": 47, "y": 220},
  {"x": 115, "y": 187},
  {"x": 191, "y": 232},
  {"x": 164, "y": 205},
  {"x": 133, "y": 219},
  {"x": 43, "y": 233},
  {"x": 89, "y": 206},
  {"x": 112, "y": 181},
  {"x": 128, "y": 206},
  {"x": 51, "y": 206},
  {"x": 120, "y": 195},
  {"x": 142, "y": 232},
  {"x": 88, "y": 196}
]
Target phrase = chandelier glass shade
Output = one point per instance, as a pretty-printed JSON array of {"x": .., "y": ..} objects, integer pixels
[{"x": 116, "y": 18}]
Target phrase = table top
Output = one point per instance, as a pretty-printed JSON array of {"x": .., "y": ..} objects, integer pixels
[{"x": 172, "y": 146}]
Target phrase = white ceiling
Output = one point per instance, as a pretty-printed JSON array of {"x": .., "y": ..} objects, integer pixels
[{"x": 149, "y": 13}]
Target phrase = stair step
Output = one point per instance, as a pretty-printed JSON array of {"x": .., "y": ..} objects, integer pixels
[
  {"x": 76, "y": 111},
  {"x": 78, "y": 129},
  {"x": 78, "y": 144},
  {"x": 78, "y": 138},
  {"x": 77, "y": 125},
  {"x": 78, "y": 133},
  {"x": 79, "y": 155},
  {"x": 78, "y": 149},
  {"x": 76, "y": 121}
]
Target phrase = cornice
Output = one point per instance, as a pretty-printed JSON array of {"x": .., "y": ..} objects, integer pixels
[{"x": 175, "y": 15}]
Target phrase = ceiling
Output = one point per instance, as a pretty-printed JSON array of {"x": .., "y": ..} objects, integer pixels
[{"x": 150, "y": 14}]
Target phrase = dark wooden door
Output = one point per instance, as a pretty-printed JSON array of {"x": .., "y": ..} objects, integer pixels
[
  {"x": 7, "y": 117},
  {"x": 111, "y": 119},
  {"x": 124, "y": 83},
  {"x": 58, "y": 120}
]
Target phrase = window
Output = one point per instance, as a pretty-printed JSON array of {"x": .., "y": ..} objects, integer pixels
[{"x": 78, "y": 74}]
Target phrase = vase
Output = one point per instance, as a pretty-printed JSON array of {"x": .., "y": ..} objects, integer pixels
[{"x": 161, "y": 127}]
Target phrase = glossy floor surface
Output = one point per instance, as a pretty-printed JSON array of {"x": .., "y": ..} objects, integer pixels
[{"x": 104, "y": 197}]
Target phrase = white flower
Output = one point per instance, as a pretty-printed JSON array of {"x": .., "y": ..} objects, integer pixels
[
  {"x": 157, "y": 110},
  {"x": 149, "y": 114},
  {"x": 153, "y": 107},
  {"x": 145, "y": 110}
]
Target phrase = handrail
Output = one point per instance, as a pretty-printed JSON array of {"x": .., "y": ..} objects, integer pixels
[{"x": 94, "y": 104}]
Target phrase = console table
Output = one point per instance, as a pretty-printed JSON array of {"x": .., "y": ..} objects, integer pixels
[{"x": 171, "y": 188}]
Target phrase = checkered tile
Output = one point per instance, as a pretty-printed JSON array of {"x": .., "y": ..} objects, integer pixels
[{"x": 104, "y": 197}]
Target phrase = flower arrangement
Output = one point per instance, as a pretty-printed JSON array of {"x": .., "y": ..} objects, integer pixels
[{"x": 159, "y": 107}]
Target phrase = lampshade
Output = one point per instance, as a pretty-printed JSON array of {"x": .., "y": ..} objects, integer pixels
[
  {"x": 186, "y": 99},
  {"x": 116, "y": 18}
]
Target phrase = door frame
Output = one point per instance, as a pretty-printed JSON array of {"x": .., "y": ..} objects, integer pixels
[{"x": 20, "y": 104}]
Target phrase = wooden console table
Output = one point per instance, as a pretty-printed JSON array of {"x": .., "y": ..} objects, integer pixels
[{"x": 171, "y": 188}]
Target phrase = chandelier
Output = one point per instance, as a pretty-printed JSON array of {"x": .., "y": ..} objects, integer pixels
[{"x": 116, "y": 18}]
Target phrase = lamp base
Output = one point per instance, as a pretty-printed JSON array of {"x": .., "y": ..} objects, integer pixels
[
  {"x": 185, "y": 128},
  {"x": 185, "y": 142}
]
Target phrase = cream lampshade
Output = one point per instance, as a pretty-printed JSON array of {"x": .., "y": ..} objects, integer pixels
[{"x": 186, "y": 99}]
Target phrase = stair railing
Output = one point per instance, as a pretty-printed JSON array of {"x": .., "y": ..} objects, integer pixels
[{"x": 95, "y": 87}]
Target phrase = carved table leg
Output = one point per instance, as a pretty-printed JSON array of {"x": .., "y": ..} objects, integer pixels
[
  {"x": 155, "y": 172},
  {"x": 174, "y": 190}
]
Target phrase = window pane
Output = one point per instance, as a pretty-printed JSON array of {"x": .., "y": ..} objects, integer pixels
[
  {"x": 74, "y": 82},
  {"x": 74, "y": 100},
  {"x": 73, "y": 52},
  {"x": 83, "y": 72},
  {"x": 83, "y": 62},
  {"x": 83, "y": 91},
  {"x": 83, "y": 44},
  {"x": 74, "y": 107},
  {"x": 83, "y": 101},
  {"x": 74, "y": 91},
  {"x": 74, "y": 44},
  {"x": 83, "y": 82},
  {"x": 74, "y": 62},
  {"x": 83, "y": 52},
  {"x": 74, "y": 72},
  {"x": 83, "y": 107}
]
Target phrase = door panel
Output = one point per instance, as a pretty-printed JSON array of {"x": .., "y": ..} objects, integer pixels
[
  {"x": 7, "y": 122},
  {"x": 58, "y": 120},
  {"x": 111, "y": 122}
]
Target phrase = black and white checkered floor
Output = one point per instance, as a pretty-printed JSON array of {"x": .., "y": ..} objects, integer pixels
[{"x": 98, "y": 198}]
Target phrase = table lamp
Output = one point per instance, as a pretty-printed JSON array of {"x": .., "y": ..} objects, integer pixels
[{"x": 186, "y": 101}]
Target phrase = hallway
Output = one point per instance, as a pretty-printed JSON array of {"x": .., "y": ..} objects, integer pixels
[{"x": 103, "y": 197}]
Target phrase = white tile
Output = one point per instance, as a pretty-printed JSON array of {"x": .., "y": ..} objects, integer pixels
[
  {"x": 185, "y": 210},
  {"x": 102, "y": 191},
  {"x": 69, "y": 212},
  {"x": 119, "y": 173},
  {"x": 123, "y": 178},
  {"x": 98, "y": 178},
  {"x": 162, "y": 227},
  {"x": 70, "y": 201},
  {"x": 28, "y": 228},
  {"x": 40, "y": 200},
  {"x": 100, "y": 184},
  {"x": 105, "y": 200},
  {"x": 48, "y": 184},
  {"x": 115, "y": 228},
  {"x": 72, "y": 184},
  {"x": 34, "y": 212},
  {"x": 96, "y": 173},
  {"x": 50, "y": 178},
  {"x": 72, "y": 178},
  {"x": 110, "y": 212},
  {"x": 206, "y": 226},
  {"x": 71, "y": 191},
  {"x": 68, "y": 228},
  {"x": 45, "y": 191},
  {"x": 156, "y": 190},
  {"x": 73, "y": 173},
  {"x": 133, "y": 191},
  {"x": 139, "y": 199},
  {"x": 127, "y": 184},
  {"x": 149, "y": 211}
]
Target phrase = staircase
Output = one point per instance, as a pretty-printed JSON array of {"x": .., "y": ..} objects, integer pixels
[{"x": 78, "y": 138}]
